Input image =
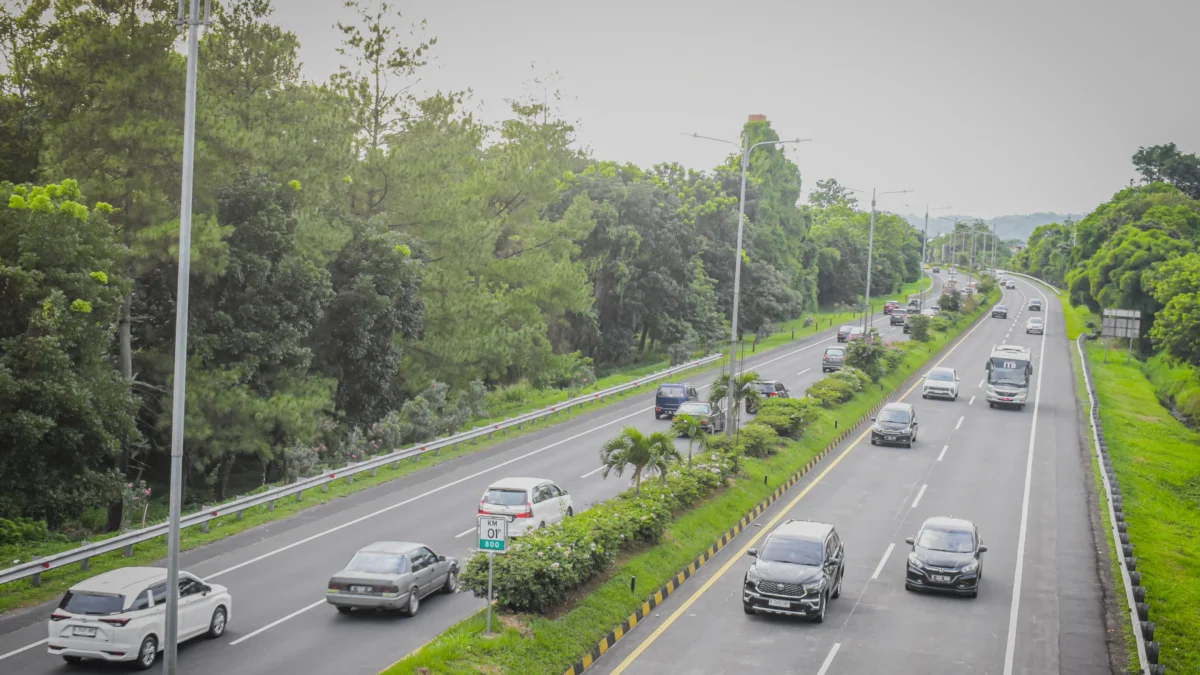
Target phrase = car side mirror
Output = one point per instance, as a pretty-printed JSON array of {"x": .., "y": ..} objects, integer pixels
[
  {"x": 982, "y": 548},
  {"x": 204, "y": 590},
  {"x": 872, "y": 419},
  {"x": 908, "y": 540},
  {"x": 441, "y": 558},
  {"x": 753, "y": 553}
]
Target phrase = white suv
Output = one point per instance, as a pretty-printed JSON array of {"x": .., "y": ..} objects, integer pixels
[
  {"x": 940, "y": 383},
  {"x": 528, "y": 503},
  {"x": 121, "y": 615}
]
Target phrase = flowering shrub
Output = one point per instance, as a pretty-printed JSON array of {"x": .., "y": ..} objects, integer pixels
[
  {"x": 831, "y": 391},
  {"x": 135, "y": 497},
  {"x": 759, "y": 439},
  {"x": 857, "y": 378},
  {"x": 546, "y": 564}
]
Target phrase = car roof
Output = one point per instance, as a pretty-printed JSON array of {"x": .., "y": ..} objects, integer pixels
[
  {"x": 674, "y": 384},
  {"x": 896, "y": 405},
  {"x": 940, "y": 369},
  {"x": 1036, "y": 318},
  {"x": 948, "y": 524},
  {"x": 395, "y": 547},
  {"x": 803, "y": 529},
  {"x": 121, "y": 580},
  {"x": 766, "y": 382},
  {"x": 518, "y": 483}
]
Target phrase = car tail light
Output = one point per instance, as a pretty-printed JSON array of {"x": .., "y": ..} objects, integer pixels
[
  {"x": 527, "y": 513},
  {"x": 657, "y": 409},
  {"x": 333, "y": 586},
  {"x": 772, "y": 394},
  {"x": 390, "y": 589},
  {"x": 58, "y": 616},
  {"x": 115, "y": 622},
  {"x": 704, "y": 420}
]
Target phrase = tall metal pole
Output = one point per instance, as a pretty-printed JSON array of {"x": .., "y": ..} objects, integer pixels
[
  {"x": 179, "y": 392},
  {"x": 737, "y": 285},
  {"x": 995, "y": 245},
  {"x": 924, "y": 244},
  {"x": 870, "y": 252}
]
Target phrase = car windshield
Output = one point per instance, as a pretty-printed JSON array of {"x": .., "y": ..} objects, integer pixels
[
  {"x": 1004, "y": 371},
  {"x": 764, "y": 387},
  {"x": 942, "y": 375},
  {"x": 76, "y": 602},
  {"x": 846, "y": 329},
  {"x": 1001, "y": 307},
  {"x": 693, "y": 409},
  {"x": 793, "y": 551},
  {"x": 856, "y": 330},
  {"x": 835, "y": 351},
  {"x": 503, "y": 497},
  {"x": 1035, "y": 321},
  {"x": 378, "y": 563},
  {"x": 952, "y": 541},
  {"x": 900, "y": 416},
  {"x": 672, "y": 390}
]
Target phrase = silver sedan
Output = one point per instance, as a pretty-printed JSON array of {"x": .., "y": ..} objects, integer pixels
[{"x": 392, "y": 575}]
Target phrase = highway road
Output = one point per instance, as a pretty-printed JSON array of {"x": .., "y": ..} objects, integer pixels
[
  {"x": 1018, "y": 474},
  {"x": 277, "y": 573}
]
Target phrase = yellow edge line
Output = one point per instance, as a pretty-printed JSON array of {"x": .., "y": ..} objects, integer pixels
[{"x": 766, "y": 528}]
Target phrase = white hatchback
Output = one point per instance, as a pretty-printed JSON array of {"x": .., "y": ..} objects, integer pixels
[
  {"x": 528, "y": 503},
  {"x": 940, "y": 383},
  {"x": 121, "y": 615}
]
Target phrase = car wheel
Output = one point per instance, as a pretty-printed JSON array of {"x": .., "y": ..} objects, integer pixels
[
  {"x": 820, "y": 617},
  {"x": 542, "y": 526},
  {"x": 147, "y": 653},
  {"x": 414, "y": 602},
  {"x": 570, "y": 512},
  {"x": 873, "y": 442},
  {"x": 657, "y": 416},
  {"x": 747, "y": 608},
  {"x": 343, "y": 610},
  {"x": 216, "y": 625},
  {"x": 991, "y": 404},
  {"x": 925, "y": 396},
  {"x": 908, "y": 586},
  {"x": 73, "y": 660},
  {"x": 837, "y": 590},
  {"x": 974, "y": 593},
  {"x": 451, "y": 582}
]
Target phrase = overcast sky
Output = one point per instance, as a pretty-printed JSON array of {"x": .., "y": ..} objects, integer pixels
[{"x": 991, "y": 108}]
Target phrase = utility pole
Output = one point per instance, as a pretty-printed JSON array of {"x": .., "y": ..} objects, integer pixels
[
  {"x": 870, "y": 252},
  {"x": 924, "y": 249},
  {"x": 179, "y": 385}
]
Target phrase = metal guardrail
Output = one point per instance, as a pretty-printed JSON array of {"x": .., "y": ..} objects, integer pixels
[
  {"x": 1032, "y": 278},
  {"x": 127, "y": 540}
]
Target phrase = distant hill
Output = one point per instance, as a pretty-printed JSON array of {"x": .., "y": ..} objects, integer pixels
[{"x": 1007, "y": 227}]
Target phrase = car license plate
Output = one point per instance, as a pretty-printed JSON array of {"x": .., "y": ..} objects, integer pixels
[
  {"x": 941, "y": 578},
  {"x": 1005, "y": 399},
  {"x": 890, "y": 438},
  {"x": 83, "y": 631},
  {"x": 361, "y": 589},
  {"x": 779, "y": 603}
]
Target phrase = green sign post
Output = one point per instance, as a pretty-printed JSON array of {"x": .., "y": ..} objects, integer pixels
[{"x": 493, "y": 538}]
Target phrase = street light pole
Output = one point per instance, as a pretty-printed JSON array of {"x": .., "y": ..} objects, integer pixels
[
  {"x": 746, "y": 149},
  {"x": 870, "y": 252},
  {"x": 179, "y": 385},
  {"x": 924, "y": 245}
]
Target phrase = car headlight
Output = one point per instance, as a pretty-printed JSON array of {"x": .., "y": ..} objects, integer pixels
[
  {"x": 913, "y": 561},
  {"x": 970, "y": 567},
  {"x": 815, "y": 587},
  {"x": 752, "y": 576}
]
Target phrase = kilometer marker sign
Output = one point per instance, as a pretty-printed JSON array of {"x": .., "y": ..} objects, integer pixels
[{"x": 493, "y": 534}]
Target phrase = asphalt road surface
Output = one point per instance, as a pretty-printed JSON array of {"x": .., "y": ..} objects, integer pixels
[
  {"x": 1017, "y": 474},
  {"x": 277, "y": 573}
]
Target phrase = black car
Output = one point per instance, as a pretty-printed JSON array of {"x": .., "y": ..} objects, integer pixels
[
  {"x": 711, "y": 418},
  {"x": 936, "y": 270},
  {"x": 797, "y": 572},
  {"x": 947, "y": 555},
  {"x": 999, "y": 312},
  {"x": 765, "y": 389},
  {"x": 1035, "y": 305},
  {"x": 896, "y": 424},
  {"x": 898, "y": 317},
  {"x": 843, "y": 333}
]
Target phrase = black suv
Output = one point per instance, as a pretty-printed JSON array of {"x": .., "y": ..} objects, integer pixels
[
  {"x": 999, "y": 312},
  {"x": 766, "y": 389},
  {"x": 898, "y": 317},
  {"x": 797, "y": 572},
  {"x": 1035, "y": 305},
  {"x": 946, "y": 556},
  {"x": 896, "y": 424}
]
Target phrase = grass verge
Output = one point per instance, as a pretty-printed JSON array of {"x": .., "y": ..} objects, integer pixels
[
  {"x": 1156, "y": 459},
  {"x": 530, "y": 643}
]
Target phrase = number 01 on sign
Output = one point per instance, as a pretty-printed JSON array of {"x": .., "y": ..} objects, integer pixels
[{"x": 493, "y": 538}]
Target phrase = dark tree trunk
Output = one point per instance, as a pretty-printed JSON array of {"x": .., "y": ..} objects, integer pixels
[
  {"x": 642, "y": 341},
  {"x": 223, "y": 475}
]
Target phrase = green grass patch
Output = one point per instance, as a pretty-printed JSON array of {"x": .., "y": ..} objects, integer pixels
[
  {"x": 531, "y": 643},
  {"x": 1178, "y": 384},
  {"x": 1157, "y": 460}
]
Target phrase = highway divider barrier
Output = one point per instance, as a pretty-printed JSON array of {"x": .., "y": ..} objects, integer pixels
[{"x": 237, "y": 507}]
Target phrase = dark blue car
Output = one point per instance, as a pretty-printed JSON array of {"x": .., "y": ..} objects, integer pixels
[{"x": 669, "y": 396}]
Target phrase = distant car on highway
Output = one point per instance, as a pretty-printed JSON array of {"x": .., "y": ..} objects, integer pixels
[
  {"x": 1012, "y": 284},
  {"x": 1035, "y": 305},
  {"x": 1000, "y": 312},
  {"x": 391, "y": 575},
  {"x": 898, "y": 316},
  {"x": 843, "y": 333},
  {"x": 766, "y": 389},
  {"x": 1035, "y": 325},
  {"x": 930, "y": 312},
  {"x": 797, "y": 572},
  {"x": 833, "y": 359},
  {"x": 895, "y": 424},
  {"x": 947, "y": 555},
  {"x": 908, "y": 324},
  {"x": 937, "y": 270},
  {"x": 528, "y": 503},
  {"x": 669, "y": 397},
  {"x": 891, "y": 306},
  {"x": 941, "y": 383},
  {"x": 121, "y": 615},
  {"x": 856, "y": 333},
  {"x": 711, "y": 419}
]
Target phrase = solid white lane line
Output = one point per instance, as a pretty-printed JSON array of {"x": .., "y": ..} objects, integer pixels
[
  {"x": 919, "y": 495},
  {"x": 25, "y": 648},
  {"x": 960, "y": 421},
  {"x": 465, "y": 532},
  {"x": 1014, "y": 610},
  {"x": 883, "y": 560},
  {"x": 593, "y": 472},
  {"x": 803, "y": 372},
  {"x": 467, "y": 478},
  {"x": 943, "y": 452},
  {"x": 277, "y": 622},
  {"x": 981, "y": 383},
  {"x": 971, "y": 401},
  {"x": 829, "y": 659}
]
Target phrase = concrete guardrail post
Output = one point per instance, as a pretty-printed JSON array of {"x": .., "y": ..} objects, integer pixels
[
  {"x": 204, "y": 525},
  {"x": 271, "y": 505},
  {"x": 36, "y": 579}
]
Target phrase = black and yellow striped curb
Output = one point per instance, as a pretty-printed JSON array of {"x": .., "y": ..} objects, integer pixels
[{"x": 614, "y": 636}]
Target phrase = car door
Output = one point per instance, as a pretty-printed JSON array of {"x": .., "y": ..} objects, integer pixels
[
  {"x": 554, "y": 495},
  {"x": 693, "y": 395},
  {"x": 543, "y": 508},
  {"x": 421, "y": 570},
  {"x": 157, "y": 622},
  {"x": 192, "y": 606},
  {"x": 436, "y": 570},
  {"x": 913, "y": 422},
  {"x": 780, "y": 390}
]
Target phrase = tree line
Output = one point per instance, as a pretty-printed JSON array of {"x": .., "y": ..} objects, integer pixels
[{"x": 367, "y": 264}]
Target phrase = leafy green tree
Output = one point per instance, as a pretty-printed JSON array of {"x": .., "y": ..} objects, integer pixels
[
  {"x": 65, "y": 412},
  {"x": 1167, "y": 164},
  {"x": 868, "y": 355},
  {"x": 919, "y": 327},
  {"x": 651, "y": 454},
  {"x": 1175, "y": 284},
  {"x": 689, "y": 425},
  {"x": 831, "y": 193}
]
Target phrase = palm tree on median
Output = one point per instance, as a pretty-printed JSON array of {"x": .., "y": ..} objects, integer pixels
[
  {"x": 689, "y": 425},
  {"x": 648, "y": 454}
]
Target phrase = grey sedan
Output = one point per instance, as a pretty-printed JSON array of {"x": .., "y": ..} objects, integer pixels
[{"x": 392, "y": 575}]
